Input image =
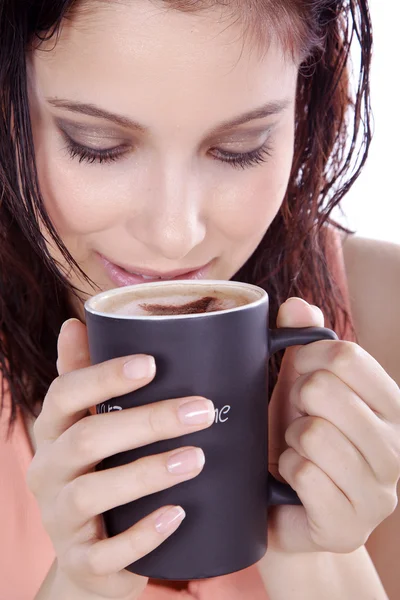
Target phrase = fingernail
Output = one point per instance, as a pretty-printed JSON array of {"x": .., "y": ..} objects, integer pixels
[
  {"x": 196, "y": 412},
  {"x": 296, "y": 298},
  {"x": 186, "y": 461},
  {"x": 170, "y": 520},
  {"x": 140, "y": 367}
]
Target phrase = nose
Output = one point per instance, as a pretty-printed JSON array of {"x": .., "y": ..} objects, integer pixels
[{"x": 169, "y": 221}]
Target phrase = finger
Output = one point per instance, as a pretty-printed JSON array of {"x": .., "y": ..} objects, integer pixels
[
  {"x": 327, "y": 521},
  {"x": 320, "y": 442},
  {"x": 94, "y": 493},
  {"x": 357, "y": 369},
  {"x": 98, "y": 436},
  {"x": 322, "y": 394},
  {"x": 109, "y": 556},
  {"x": 74, "y": 392},
  {"x": 73, "y": 347}
]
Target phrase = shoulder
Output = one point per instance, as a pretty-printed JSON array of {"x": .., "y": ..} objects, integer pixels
[{"x": 373, "y": 275}]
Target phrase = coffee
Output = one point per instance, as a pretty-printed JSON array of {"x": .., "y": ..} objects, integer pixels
[
  {"x": 219, "y": 355},
  {"x": 173, "y": 299}
]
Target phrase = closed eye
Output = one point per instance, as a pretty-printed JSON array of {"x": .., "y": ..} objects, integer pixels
[{"x": 110, "y": 155}]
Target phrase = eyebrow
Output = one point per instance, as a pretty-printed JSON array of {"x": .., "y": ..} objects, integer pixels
[{"x": 267, "y": 110}]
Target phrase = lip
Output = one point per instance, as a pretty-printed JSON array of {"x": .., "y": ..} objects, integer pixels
[{"x": 121, "y": 278}]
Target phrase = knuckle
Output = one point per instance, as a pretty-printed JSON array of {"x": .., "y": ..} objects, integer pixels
[
  {"x": 102, "y": 375},
  {"x": 303, "y": 473},
  {"x": 83, "y": 441},
  {"x": 54, "y": 393},
  {"x": 70, "y": 561},
  {"x": 311, "y": 437},
  {"x": 137, "y": 539},
  {"x": 107, "y": 374},
  {"x": 77, "y": 499},
  {"x": 93, "y": 559},
  {"x": 312, "y": 388},
  {"x": 389, "y": 503},
  {"x": 343, "y": 355},
  {"x": 155, "y": 419},
  {"x": 55, "y": 389},
  {"x": 143, "y": 475},
  {"x": 284, "y": 462},
  {"x": 392, "y": 465}
]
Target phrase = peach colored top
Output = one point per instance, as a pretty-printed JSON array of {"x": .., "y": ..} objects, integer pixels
[{"x": 26, "y": 551}]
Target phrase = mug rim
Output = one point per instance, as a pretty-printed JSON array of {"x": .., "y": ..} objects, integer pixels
[{"x": 205, "y": 282}]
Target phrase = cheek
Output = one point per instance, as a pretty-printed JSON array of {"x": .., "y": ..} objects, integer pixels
[
  {"x": 84, "y": 199},
  {"x": 249, "y": 202},
  {"x": 80, "y": 198}
]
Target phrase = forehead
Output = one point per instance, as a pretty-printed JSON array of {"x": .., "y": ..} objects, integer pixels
[{"x": 146, "y": 54}]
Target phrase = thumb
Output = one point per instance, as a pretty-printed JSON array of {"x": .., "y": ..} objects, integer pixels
[
  {"x": 293, "y": 313},
  {"x": 73, "y": 347},
  {"x": 296, "y": 312},
  {"x": 287, "y": 525}
]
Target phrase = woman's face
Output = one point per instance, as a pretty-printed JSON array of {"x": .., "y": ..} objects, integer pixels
[{"x": 150, "y": 149}]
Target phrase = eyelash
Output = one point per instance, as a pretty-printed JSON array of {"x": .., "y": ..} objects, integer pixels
[
  {"x": 91, "y": 156},
  {"x": 244, "y": 160},
  {"x": 247, "y": 159}
]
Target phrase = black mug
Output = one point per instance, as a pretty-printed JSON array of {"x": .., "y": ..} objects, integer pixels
[{"x": 221, "y": 355}]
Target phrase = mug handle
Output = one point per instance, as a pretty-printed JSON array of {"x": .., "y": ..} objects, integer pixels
[{"x": 279, "y": 339}]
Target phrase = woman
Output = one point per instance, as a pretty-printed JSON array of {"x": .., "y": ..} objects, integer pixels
[{"x": 139, "y": 139}]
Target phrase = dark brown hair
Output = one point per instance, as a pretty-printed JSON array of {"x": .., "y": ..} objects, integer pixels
[{"x": 333, "y": 135}]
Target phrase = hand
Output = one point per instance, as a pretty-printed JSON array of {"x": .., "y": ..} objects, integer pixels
[
  {"x": 339, "y": 414},
  {"x": 71, "y": 495}
]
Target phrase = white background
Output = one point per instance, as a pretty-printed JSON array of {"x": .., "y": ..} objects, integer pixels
[{"x": 372, "y": 207}]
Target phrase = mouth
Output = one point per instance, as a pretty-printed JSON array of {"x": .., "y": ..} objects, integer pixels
[{"x": 124, "y": 275}]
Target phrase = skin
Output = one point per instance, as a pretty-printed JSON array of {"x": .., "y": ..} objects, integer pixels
[
  {"x": 205, "y": 209},
  {"x": 369, "y": 261},
  {"x": 169, "y": 204}
]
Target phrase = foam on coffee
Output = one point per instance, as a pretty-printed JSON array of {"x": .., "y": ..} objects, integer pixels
[{"x": 170, "y": 300}]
